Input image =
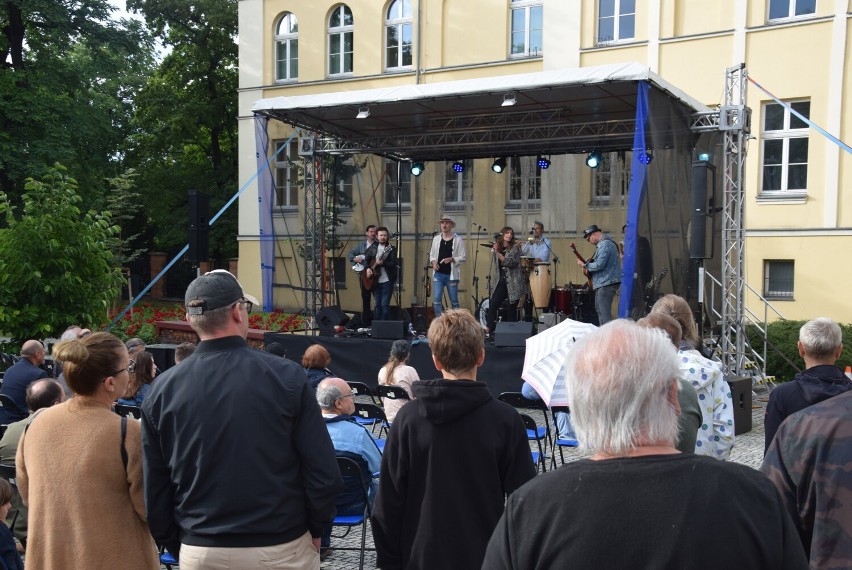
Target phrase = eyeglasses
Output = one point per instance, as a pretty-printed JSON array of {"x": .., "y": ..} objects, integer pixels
[
  {"x": 131, "y": 368},
  {"x": 246, "y": 303},
  {"x": 347, "y": 396}
]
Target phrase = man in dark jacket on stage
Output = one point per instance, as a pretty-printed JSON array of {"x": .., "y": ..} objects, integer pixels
[
  {"x": 820, "y": 344},
  {"x": 452, "y": 457}
]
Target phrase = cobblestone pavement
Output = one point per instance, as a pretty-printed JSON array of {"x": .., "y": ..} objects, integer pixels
[{"x": 748, "y": 450}]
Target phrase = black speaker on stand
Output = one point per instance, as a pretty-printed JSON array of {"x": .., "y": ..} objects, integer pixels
[
  {"x": 199, "y": 227},
  {"x": 330, "y": 317}
]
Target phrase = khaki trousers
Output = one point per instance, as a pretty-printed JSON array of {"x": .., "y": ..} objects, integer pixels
[{"x": 298, "y": 554}]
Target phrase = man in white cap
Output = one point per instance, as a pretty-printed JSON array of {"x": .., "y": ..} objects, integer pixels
[
  {"x": 446, "y": 254},
  {"x": 239, "y": 467}
]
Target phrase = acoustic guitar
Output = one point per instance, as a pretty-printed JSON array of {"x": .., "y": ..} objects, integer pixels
[
  {"x": 585, "y": 271},
  {"x": 369, "y": 281}
]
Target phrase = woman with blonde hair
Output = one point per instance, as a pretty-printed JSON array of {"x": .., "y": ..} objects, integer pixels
[
  {"x": 397, "y": 373},
  {"x": 140, "y": 380},
  {"x": 80, "y": 468},
  {"x": 716, "y": 433}
]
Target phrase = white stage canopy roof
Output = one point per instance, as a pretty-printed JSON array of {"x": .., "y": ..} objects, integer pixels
[{"x": 555, "y": 112}]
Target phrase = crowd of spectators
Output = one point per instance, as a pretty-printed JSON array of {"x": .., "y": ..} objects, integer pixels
[{"x": 239, "y": 450}]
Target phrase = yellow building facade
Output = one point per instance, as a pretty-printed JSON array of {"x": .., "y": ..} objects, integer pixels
[{"x": 798, "y": 209}]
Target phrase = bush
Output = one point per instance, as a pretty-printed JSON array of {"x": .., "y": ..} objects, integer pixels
[{"x": 783, "y": 337}]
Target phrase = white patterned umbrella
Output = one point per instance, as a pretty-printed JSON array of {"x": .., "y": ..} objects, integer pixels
[{"x": 544, "y": 361}]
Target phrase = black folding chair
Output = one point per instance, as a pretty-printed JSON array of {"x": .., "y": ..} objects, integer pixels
[
  {"x": 559, "y": 442},
  {"x": 125, "y": 411},
  {"x": 538, "y": 456},
  {"x": 372, "y": 414},
  {"x": 6, "y": 401},
  {"x": 354, "y": 477},
  {"x": 392, "y": 392},
  {"x": 8, "y": 472},
  {"x": 359, "y": 389},
  {"x": 517, "y": 401}
]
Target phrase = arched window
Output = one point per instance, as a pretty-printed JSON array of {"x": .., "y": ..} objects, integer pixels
[
  {"x": 340, "y": 40},
  {"x": 398, "y": 34},
  {"x": 527, "y": 24},
  {"x": 287, "y": 48}
]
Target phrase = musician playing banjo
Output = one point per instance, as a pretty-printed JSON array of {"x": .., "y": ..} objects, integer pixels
[
  {"x": 380, "y": 260},
  {"x": 356, "y": 259}
]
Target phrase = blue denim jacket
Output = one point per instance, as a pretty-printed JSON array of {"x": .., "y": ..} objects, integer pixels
[{"x": 605, "y": 267}]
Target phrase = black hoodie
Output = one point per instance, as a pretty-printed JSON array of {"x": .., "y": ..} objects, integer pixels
[
  {"x": 452, "y": 457},
  {"x": 810, "y": 387}
]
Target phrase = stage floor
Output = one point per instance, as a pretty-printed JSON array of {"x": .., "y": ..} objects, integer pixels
[{"x": 360, "y": 358}]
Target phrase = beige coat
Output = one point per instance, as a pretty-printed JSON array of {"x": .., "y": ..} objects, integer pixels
[{"x": 85, "y": 510}]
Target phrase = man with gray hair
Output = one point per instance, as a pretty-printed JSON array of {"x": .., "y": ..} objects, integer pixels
[
  {"x": 820, "y": 344},
  {"x": 20, "y": 375},
  {"x": 239, "y": 468},
  {"x": 638, "y": 502},
  {"x": 351, "y": 440}
]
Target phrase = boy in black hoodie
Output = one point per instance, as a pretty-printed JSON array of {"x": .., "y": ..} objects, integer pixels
[{"x": 452, "y": 457}]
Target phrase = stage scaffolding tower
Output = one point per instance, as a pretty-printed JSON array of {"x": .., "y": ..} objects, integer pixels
[
  {"x": 314, "y": 232},
  {"x": 733, "y": 120}
]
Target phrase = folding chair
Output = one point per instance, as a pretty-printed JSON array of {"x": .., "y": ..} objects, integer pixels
[
  {"x": 167, "y": 559},
  {"x": 124, "y": 411},
  {"x": 559, "y": 442},
  {"x": 538, "y": 456},
  {"x": 354, "y": 477},
  {"x": 517, "y": 401},
  {"x": 361, "y": 389},
  {"x": 370, "y": 414},
  {"x": 392, "y": 392}
]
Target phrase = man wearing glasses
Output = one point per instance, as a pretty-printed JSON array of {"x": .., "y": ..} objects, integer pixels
[
  {"x": 238, "y": 466},
  {"x": 604, "y": 267}
]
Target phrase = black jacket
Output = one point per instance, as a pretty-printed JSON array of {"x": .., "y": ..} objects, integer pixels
[
  {"x": 810, "y": 387},
  {"x": 389, "y": 262},
  {"x": 235, "y": 451},
  {"x": 452, "y": 457},
  {"x": 15, "y": 382}
]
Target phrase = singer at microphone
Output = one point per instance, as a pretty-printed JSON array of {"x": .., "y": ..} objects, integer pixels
[{"x": 537, "y": 246}]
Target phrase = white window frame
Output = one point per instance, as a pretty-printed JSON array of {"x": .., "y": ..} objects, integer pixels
[
  {"x": 525, "y": 175},
  {"x": 401, "y": 22},
  {"x": 286, "y": 195},
  {"x": 616, "y": 24},
  {"x": 777, "y": 294},
  {"x": 791, "y": 11},
  {"x": 785, "y": 134},
  {"x": 390, "y": 185},
  {"x": 610, "y": 181},
  {"x": 458, "y": 186},
  {"x": 525, "y": 7},
  {"x": 290, "y": 42},
  {"x": 341, "y": 32}
]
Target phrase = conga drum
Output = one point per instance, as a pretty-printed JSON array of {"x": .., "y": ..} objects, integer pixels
[
  {"x": 562, "y": 300},
  {"x": 540, "y": 285}
]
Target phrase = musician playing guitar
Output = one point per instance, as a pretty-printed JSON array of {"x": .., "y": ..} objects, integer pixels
[
  {"x": 381, "y": 270},
  {"x": 356, "y": 259},
  {"x": 604, "y": 268}
]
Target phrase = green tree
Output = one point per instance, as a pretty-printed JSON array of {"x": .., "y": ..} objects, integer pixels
[
  {"x": 56, "y": 266},
  {"x": 186, "y": 118}
]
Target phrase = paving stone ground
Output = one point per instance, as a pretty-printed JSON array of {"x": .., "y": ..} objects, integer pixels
[{"x": 748, "y": 450}]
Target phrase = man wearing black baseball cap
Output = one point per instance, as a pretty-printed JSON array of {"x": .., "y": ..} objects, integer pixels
[
  {"x": 604, "y": 269},
  {"x": 239, "y": 467}
]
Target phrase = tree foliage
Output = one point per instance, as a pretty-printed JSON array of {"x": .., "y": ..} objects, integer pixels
[{"x": 56, "y": 266}]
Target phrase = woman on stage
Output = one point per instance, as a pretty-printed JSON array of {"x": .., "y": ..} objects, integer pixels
[{"x": 510, "y": 282}]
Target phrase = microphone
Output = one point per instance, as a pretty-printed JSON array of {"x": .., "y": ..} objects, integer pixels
[
  {"x": 480, "y": 228},
  {"x": 532, "y": 232}
]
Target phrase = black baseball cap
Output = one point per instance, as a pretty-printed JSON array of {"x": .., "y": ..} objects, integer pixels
[{"x": 214, "y": 290}]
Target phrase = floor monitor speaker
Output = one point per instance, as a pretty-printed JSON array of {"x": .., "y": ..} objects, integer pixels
[{"x": 512, "y": 334}]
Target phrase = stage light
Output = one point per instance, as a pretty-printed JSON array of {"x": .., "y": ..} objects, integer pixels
[
  {"x": 417, "y": 168},
  {"x": 458, "y": 166},
  {"x": 646, "y": 158},
  {"x": 543, "y": 163},
  {"x": 594, "y": 159},
  {"x": 363, "y": 113},
  {"x": 509, "y": 99},
  {"x": 704, "y": 156},
  {"x": 499, "y": 165}
]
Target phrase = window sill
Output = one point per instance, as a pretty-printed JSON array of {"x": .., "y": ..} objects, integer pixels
[
  {"x": 788, "y": 19},
  {"x": 289, "y": 212},
  {"x": 783, "y": 197},
  {"x": 455, "y": 206},
  {"x": 778, "y": 298},
  {"x": 526, "y": 55},
  {"x": 391, "y": 208},
  {"x": 287, "y": 81},
  {"x": 518, "y": 206}
]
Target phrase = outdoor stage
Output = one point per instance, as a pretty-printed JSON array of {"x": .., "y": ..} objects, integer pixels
[{"x": 360, "y": 358}]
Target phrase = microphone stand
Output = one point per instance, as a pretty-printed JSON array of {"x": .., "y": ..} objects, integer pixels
[{"x": 475, "y": 276}]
